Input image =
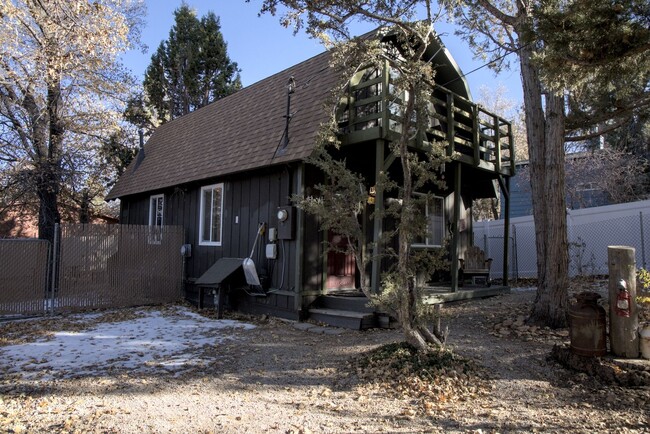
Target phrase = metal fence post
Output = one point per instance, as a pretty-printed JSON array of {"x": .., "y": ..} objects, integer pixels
[
  {"x": 55, "y": 258},
  {"x": 48, "y": 277},
  {"x": 569, "y": 231},
  {"x": 642, "y": 239}
]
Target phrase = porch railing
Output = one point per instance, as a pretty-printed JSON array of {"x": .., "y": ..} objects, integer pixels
[{"x": 472, "y": 134}]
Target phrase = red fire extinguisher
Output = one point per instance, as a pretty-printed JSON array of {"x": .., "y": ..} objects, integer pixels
[{"x": 623, "y": 302}]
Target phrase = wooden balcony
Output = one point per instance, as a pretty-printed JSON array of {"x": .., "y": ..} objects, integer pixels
[{"x": 471, "y": 134}]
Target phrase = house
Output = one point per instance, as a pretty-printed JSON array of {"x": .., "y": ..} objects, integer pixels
[
  {"x": 21, "y": 221},
  {"x": 227, "y": 171},
  {"x": 586, "y": 174}
]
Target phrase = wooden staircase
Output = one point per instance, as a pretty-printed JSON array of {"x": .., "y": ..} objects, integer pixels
[{"x": 345, "y": 311}]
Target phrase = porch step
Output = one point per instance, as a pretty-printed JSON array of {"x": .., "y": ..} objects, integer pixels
[
  {"x": 337, "y": 302},
  {"x": 344, "y": 318}
]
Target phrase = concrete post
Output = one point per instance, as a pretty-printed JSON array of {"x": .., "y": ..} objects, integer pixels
[{"x": 623, "y": 330}]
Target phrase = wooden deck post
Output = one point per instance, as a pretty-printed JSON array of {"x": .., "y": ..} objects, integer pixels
[
  {"x": 623, "y": 330},
  {"x": 377, "y": 229},
  {"x": 506, "y": 227},
  {"x": 455, "y": 240}
]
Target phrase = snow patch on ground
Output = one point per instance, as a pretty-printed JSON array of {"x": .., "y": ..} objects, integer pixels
[{"x": 171, "y": 340}]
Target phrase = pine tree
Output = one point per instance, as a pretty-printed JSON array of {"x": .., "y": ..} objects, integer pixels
[
  {"x": 585, "y": 70},
  {"x": 191, "y": 68},
  {"x": 599, "y": 54}
]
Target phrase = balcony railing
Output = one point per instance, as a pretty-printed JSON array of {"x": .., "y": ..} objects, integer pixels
[{"x": 472, "y": 134}]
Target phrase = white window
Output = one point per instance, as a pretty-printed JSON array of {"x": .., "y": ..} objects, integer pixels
[
  {"x": 156, "y": 210},
  {"x": 434, "y": 212},
  {"x": 211, "y": 216}
]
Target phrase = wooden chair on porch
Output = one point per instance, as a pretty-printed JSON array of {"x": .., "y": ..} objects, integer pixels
[{"x": 475, "y": 266}]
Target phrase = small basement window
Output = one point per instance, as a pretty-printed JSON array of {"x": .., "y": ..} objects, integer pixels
[{"x": 211, "y": 215}]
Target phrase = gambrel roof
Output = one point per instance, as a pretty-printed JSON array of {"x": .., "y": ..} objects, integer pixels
[
  {"x": 237, "y": 133},
  {"x": 243, "y": 131}
]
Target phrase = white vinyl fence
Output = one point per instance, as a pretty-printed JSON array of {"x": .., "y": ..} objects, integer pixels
[{"x": 590, "y": 231}]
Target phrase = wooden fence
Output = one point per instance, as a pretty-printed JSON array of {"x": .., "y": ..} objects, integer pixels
[{"x": 97, "y": 266}]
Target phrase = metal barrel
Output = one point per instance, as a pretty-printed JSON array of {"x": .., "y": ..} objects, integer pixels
[{"x": 587, "y": 326}]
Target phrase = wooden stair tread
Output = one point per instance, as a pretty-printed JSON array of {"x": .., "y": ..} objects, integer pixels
[{"x": 342, "y": 313}]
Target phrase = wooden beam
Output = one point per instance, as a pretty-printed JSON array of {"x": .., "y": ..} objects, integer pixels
[
  {"x": 506, "y": 226},
  {"x": 497, "y": 144},
  {"x": 361, "y": 135},
  {"x": 378, "y": 227},
  {"x": 455, "y": 239},
  {"x": 511, "y": 143},
  {"x": 385, "y": 118},
  {"x": 299, "y": 188},
  {"x": 389, "y": 160},
  {"x": 504, "y": 184},
  {"x": 475, "y": 136},
  {"x": 451, "y": 131}
]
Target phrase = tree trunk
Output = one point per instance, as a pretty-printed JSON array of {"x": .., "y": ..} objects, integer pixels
[
  {"x": 48, "y": 168},
  {"x": 84, "y": 207},
  {"x": 47, "y": 191},
  {"x": 546, "y": 151},
  {"x": 408, "y": 294}
]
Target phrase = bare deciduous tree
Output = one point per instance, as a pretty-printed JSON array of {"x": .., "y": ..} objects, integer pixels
[{"x": 62, "y": 89}]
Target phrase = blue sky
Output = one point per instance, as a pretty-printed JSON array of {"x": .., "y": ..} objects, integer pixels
[{"x": 262, "y": 47}]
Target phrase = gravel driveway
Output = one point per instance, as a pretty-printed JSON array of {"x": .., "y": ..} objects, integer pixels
[{"x": 281, "y": 377}]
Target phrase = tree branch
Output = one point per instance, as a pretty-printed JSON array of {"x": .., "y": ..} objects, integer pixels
[
  {"x": 497, "y": 13},
  {"x": 595, "y": 134},
  {"x": 621, "y": 113}
]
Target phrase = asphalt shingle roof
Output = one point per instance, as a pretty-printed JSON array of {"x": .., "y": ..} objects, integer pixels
[{"x": 237, "y": 133}]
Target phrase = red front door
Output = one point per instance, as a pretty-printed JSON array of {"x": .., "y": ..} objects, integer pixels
[{"x": 341, "y": 267}]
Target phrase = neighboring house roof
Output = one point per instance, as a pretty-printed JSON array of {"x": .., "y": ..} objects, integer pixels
[
  {"x": 237, "y": 133},
  {"x": 243, "y": 131}
]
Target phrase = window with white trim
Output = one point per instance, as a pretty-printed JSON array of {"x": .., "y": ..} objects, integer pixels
[
  {"x": 434, "y": 212},
  {"x": 210, "y": 215},
  {"x": 156, "y": 211}
]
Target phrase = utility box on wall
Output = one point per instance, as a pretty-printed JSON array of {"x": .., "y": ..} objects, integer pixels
[{"x": 286, "y": 226}]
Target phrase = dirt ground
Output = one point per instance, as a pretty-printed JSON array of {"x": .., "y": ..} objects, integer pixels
[{"x": 284, "y": 377}]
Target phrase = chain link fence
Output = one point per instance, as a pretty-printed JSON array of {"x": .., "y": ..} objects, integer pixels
[
  {"x": 24, "y": 276},
  {"x": 590, "y": 231},
  {"x": 91, "y": 266}
]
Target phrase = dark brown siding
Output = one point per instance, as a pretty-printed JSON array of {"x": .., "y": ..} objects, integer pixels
[{"x": 249, "y": 200}]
